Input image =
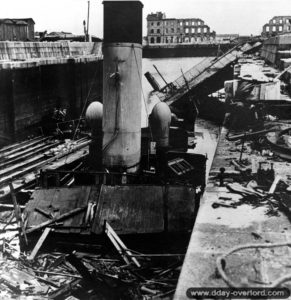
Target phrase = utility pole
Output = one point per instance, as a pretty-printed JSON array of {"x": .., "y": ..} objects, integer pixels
[{"x": 88, "y": 16}]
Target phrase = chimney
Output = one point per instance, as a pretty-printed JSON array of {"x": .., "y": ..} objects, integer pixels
[{"x": 122, "y": 71}]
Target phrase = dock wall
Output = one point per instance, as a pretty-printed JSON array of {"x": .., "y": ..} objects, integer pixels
[
  {"x": 31, "y": 90},
  {"x": 185, "y": 50},
  {"x": 33, "y": 50},
  {"x": 276, "y": 49}
]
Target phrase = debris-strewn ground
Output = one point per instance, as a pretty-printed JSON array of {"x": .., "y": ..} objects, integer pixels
[{"x": 104, "y": 274}]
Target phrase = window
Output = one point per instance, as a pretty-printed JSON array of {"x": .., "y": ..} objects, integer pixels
[
  {"x": 187, "y": 23},
  {"x": 158, "y": 23},
  {"x": 280, "y": 28},
  {"x": 158, "y": 31},
  {"x": 166, "y": 30},
  {"x": 274, "y": 21},
  {"x": 281, "y": 21},
  {"x": 267, "y": 28},
  {"x": 172, "y": 30},
  {"x": 152, "y": 31},
  {"x": 192, "y": 30},
  {"x": 205, "y": 30},
  {"x": 198, "y": 23},
  {"x": 152, "y": 40},
  {"x": 199, "y": 30},
  {"x": 187, "y": 30},
  {"x": 166, "y": 22},
  {"x": 152, "y": 23},
  {"x": 193, "y": 23},
  {"x": 274, "y": 28},
  {"x": 158, "y": 39},
  {"x": 178, "y": 29},
  {"x": 181, "y": 23}
]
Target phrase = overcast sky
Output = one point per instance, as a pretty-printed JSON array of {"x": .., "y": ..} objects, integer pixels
[{"x": 223, "y": 16}]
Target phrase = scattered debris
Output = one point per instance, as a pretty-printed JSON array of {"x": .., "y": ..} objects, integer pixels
[{"x": 57, "y": 275}]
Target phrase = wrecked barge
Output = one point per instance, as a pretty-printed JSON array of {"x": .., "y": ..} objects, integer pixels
[
  {"x": 138, "y": 187},
  {"x": 134, "y": 189},
  {"x": 145, "y": 188}
]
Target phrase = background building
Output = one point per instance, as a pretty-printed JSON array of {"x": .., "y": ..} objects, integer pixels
[
  {"x": 277, "y": 25},
  {"x": 169, "y": 30},
  {"x": 17, "y": 29}
]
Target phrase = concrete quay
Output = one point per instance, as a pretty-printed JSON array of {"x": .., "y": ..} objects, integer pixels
[{"x": 216, "y": 231}]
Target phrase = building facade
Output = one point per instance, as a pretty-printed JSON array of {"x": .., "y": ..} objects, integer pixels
[
  {"x": 162, "y": 30},
  {"x": 277, "y": 25},
  {"x": 17, "y": 29}
]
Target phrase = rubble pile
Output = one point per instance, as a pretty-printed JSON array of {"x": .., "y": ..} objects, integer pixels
[{"x": 125, "y": 274}]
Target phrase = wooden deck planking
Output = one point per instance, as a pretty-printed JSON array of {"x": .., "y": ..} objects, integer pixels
[
  {"x": 33, "y": 216},
  {"x": 130, "y": 209},
  {"x": 78, "y": 220},
  {"x": 58, "y": 202}
]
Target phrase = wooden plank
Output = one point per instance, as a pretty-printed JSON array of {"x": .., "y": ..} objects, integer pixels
[
  {"x": 18, "y": 213},
  {"x": 41, "y": 199},
  {"x": 58, "y": 201},
  {"x": 29, "y": 178},
  {"x": 60, "y": 218},
  {"x": 23, "y": 147},
  {"x": 45, "y": 162},
  {"x": 117, "y": 247},
  {"x": 39, "y": 243},
  {"x": 22, "y": 165},
  {"x": 111, "y": 232},
  {"x": 18, "y": 145},
  {"x": 28, "y": 153}
]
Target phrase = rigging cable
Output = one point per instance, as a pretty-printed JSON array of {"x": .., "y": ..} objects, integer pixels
[
  {"x": 117, "y": 95},
  {"x": 85, "y": 104},
  {"x": 82, "y": 112}
]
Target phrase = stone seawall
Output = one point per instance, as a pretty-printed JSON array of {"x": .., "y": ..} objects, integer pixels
[
  {"x": 33, "y": 50},
  {"x": 185, "y": 50}
]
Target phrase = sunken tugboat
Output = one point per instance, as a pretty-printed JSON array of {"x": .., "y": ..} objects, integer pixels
[{"x": 136, "y": 180}]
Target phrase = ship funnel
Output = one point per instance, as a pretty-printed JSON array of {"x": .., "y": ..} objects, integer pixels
[
  {"x": 160, "y": 120},
  {"x": 122, "y": 69}
]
